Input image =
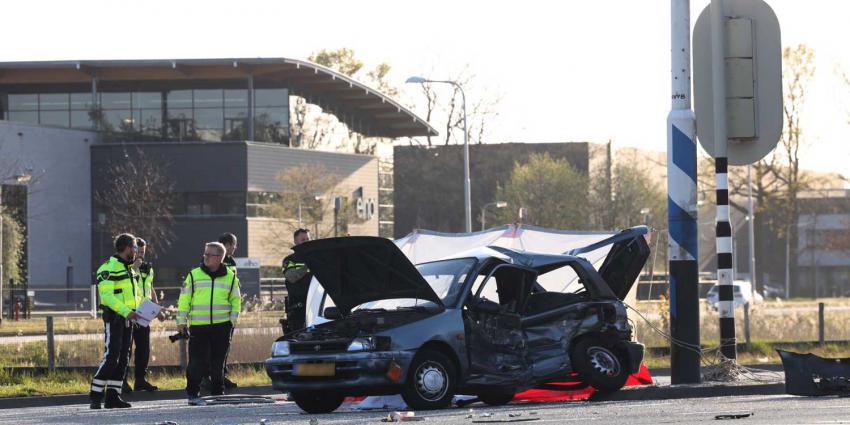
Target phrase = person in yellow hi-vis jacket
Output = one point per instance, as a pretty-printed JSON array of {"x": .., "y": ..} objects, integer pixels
[
  {"x": 120, "y": 294},
  {"x": 209, "y": 306}
]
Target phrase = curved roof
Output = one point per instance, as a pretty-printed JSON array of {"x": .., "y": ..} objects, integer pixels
[{"x": 365, "y": 110}]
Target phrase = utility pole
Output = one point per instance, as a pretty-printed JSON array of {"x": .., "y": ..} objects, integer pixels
[
  {"x": 723, "y": 231},
  {"x": 751, "y": 224},
  {"x": 682, "y": 204},
  {"x": 738, "y": 67}
]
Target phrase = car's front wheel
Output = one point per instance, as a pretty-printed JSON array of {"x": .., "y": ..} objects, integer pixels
[
  {"x": 601, "y": 366},
  {"x": 315, "y": 402},
  {"x": 430, "y": 381}
]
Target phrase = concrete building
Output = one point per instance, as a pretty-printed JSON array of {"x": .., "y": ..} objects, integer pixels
[
  {"x": 219, "y": 128},
  {"x": 823, "y": 245}
]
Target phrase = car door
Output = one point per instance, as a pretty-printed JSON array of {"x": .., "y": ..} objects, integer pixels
[
  {"x": 495, "y": 340},
  {"x": 550, "y": 321}
]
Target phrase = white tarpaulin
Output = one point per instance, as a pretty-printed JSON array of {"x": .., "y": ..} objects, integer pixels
[{"x": 422, "y": 246}]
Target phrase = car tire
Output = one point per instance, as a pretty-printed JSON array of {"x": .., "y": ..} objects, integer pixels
[
  {"x": 316, "y": 402},
  {"x": 599, "y": 364},
  {"x": 430, "y": 381},
  {"x": 497, "y": 398}
]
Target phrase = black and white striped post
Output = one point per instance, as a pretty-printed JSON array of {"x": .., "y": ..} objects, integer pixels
[
  {"x": 723, "y": 229},
  {"x": 746, "y": 72}
]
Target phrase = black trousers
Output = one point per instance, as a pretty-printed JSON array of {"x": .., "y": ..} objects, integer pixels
[
  {"x": 141, "y": 351},
  {"x": 208, "y": 346},
  {"x": 227, "y": 354},
  {"x": 118, "y": 336}
]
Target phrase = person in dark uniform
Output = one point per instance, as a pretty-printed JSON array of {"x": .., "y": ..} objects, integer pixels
[
  {"x": 297, "y": 279},
  {"x": 142, "y": 334},
  {"x": 229, "y": 241},
  {"x": 120, "y": 294}
]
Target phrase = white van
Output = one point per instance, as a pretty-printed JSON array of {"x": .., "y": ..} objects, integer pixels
[{"x": 741, "y": 290}]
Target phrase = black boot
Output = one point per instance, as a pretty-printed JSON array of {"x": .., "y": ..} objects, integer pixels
[
  {"x": 96, "y": 398},
  {"x": 229, "y": 384},
  {"x": 113, "y": 400},
  {"x": 143, "y": 385}
]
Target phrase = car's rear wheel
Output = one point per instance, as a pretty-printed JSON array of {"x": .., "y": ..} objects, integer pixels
[
  {"x": 316, "y": 402},
  {"x": 497, "y": 398},
  {"x": 430, "y": 381},
  {"x": 600, "y": 365}
]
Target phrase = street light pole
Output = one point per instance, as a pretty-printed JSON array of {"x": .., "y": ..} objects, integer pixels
[
  {"x": 467, "y": 197},
  {"x": 751, "y": 230},
  {"x": 498, "y": 204},
  {"x": 1, "y": 254}
]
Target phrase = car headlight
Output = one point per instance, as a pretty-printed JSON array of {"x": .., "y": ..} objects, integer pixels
[
  {"x": 362, "y": 344},
  {"x": 280, "y": 348},
  {"x": 370, "y": 343}
]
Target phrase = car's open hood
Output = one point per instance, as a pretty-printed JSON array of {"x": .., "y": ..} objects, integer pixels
[
  {"x": 625, "y": 260},
  {"x": 359, "y": 269}
]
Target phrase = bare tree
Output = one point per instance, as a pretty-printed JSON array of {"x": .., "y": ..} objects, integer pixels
[
  {"x": 138, "y": 199},
  {"x": 480, "y": 110}
]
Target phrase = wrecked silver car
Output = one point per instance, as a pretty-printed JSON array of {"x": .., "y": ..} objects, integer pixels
[{"x": 480, "y": 324}]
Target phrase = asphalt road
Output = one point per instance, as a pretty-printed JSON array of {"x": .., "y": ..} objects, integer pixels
[{"x": 779, "y": 409}]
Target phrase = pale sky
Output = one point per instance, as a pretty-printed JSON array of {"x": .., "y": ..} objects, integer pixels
[{"x": 587, "y": 70}]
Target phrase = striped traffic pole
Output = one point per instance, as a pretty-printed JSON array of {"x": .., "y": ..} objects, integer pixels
[
  {"x": 723, "y": 231},
  {"x": 682, "y": 205}
]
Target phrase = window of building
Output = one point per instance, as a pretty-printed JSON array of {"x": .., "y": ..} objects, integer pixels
[
  {"x": 261, "y": 204},
  {"x": 209, "y": 204},
  {"x": 201, "y": 114},
  {"x": 271, "y": 115}
]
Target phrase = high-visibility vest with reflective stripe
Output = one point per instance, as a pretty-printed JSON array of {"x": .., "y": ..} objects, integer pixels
[
  {"x": 118, "y": 286},
  {"x": 146, "y": 280},
  {"x": 207, "y": 300}
]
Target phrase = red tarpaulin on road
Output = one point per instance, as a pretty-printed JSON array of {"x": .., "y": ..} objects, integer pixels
[
  {"x": 565, "y": 391},
  {"x": 642, "y": 377}
]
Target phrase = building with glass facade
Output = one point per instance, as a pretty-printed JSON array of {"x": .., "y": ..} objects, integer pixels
[{"x": 220, "y": 128}]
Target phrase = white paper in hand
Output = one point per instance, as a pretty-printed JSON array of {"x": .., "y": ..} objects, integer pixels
[{"x": 147, "y": 312}]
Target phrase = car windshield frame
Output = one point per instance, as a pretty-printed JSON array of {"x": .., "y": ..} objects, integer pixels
[{"x": 459, "y": 269}]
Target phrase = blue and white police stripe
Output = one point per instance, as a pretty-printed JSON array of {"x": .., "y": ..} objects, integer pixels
[
  {"x": 723, "y": 233},
  {"x": 682, "y": 182}
]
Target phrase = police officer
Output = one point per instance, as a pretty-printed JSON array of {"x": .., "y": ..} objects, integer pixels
[
  {"x": 229, "y": 241},
  {"x": 297, "y": 279},
  {"x": 120, "y": 294},
  {"x": 142, "y": 334},
  {"x": 209, "y": 305}
]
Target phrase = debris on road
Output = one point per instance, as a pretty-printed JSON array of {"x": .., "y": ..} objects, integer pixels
[
  {"x": 811, "y": 375},
  {"x": 506, "y": 420},
  {"x": 237, "y": 399},
  {"x": 837, "y": 384},
  {"x": 402, "y": 417},
  {"x": 166, "y": 423},
  {"x": 512, "y": 417},
  {"x": 734, "y": 416},
  {"x": 314, "y": 421}
]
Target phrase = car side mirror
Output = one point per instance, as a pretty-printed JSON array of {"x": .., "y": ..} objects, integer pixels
[{"x": 332, "y": 313}]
